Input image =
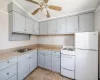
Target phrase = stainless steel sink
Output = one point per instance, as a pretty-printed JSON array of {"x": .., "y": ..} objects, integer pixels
[{"x": 21, "y": 50}]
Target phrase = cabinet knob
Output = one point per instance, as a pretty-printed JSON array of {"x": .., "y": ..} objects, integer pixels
[
  {"x": 7, "y": 73},
  {"x": 8, "y": 62}
]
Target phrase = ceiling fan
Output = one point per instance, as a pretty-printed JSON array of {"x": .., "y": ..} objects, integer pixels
[{"x": 43, "y": 7}]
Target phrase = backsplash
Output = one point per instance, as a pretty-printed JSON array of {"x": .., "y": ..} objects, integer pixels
[{"x": 57, "y": 40}]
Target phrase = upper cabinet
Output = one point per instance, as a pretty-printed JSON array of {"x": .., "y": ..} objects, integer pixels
[
  {"x": 52, "y": 27},
  {"x": 29, "y": 26},
  {"x": 61, "y": 26},
  {"x": 21, "y": 22},
  {"x": 86, "y": 22},
  {"x": 72, "y": 24},
  {"x": 18, "y": 22},
  {"x": 43, "y": 28},
  {"x": 36, "y": 27}
]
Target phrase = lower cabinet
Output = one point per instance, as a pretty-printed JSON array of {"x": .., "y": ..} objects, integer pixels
[
  {"x": 23, "y": 69},
  {"x": 7, "y": 73},
  {"x": 56, "y": 63},
  {"x": 33, "y": 60},
  {"x": 13, "y": 77},
  {"x": 49, "y": 60},
  {"x": 41, "y": 60},
  {"x": 27, "y": 64}
]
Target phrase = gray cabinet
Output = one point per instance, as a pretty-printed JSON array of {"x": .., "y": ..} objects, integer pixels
[
  {"x": 29, "y": 26},
  {"x": 48, "y": 61},
  {"x": 56, "y": 61},
  {"x": 43, "y": 27},
  {"x": 72, "y": 24},
  {"x": 26, "y": 64},
  {"x": 36, "y": 27},
  {"x": 23, "y": 69},
  {"x": 86, "y": 22},
  {"x": 52, "y": 27},
  {"x": 19, "y": 23},
  {"x": 61, "y": 26},
  {"x": 33, "y": 60},
  {"x": 41, "y": 60}
]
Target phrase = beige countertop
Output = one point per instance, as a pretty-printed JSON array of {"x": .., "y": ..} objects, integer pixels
[{"x": 10, "y": 53}]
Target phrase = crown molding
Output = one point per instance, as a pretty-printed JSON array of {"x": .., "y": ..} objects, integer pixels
[
  {"x": 4, "y": 12},
  {"x": 71, "y": 14},
  {"x": 97, "y": 8}
]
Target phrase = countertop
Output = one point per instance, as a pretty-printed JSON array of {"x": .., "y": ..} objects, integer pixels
[{"x": 10, "y": 53}]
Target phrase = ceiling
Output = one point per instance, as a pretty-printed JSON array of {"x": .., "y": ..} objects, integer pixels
[{"x": 68, "y": 7}]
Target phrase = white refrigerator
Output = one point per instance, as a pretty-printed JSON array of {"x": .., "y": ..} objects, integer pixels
[{"x": 86, "y": 49}]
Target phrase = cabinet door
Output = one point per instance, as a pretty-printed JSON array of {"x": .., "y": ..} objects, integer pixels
[
  {"x": 48, "y": 62},
  {"x": 52, "y": 27},
  {"x": 43, "y": 27},
  {"x": 36, "y": 27},
  {"x": 13, "y": 77},
  {"x": 29, "y": 26},
  {"x": 86, "y": 22},
  {"x": 41, "y": 59},
  {"x": 23, "y": 69},
  {"x": 19, "y": 23},
  {"x": 56, "y": 63},
  {"x": 61, "y": 26},
  {"x": 33, "y": 61},
  {"x": 72, "y": 24}
]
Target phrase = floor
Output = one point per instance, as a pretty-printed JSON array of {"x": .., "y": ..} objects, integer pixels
[{"x": 43, "y": 74}]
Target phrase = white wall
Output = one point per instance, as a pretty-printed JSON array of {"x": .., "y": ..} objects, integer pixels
[
  {"x": 97, "y": 28},
  {"x": 56, "y": 40},
  {"x": 4, "y": 42}
]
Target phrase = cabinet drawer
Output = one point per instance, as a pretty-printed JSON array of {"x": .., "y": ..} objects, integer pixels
[
  {"x": 23, "y": 57},
  {"x": 56, "y": 53},
  {"x": 44, "y": 51},
  {"x": 13, "y": 77},
  {"x": 8, "y": 63},
  {"x": 8, "y": 72},
  {"x": 31, "y": 53},
  {"x": 67, "y": 73}
]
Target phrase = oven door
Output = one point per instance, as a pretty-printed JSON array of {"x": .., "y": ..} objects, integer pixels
[{"x": 68, "y": 62}]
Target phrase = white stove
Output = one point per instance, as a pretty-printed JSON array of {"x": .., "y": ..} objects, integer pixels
[
  {"x": 68, "y": 61},
  {"x": 68, "y": 50}
]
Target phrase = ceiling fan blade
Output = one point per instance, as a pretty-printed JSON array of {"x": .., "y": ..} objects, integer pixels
[
  {"x": 55, "y": 7},
  {"x": 33, "y": 1},
  {"x": 46, "y": 1},
  {"x": 37, "y": 10},
  {"x": 48, "y": 15}
]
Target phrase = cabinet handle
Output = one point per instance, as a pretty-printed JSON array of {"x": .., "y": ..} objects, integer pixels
[
  {"x": 8, "y": 62},
  {"x": 7, "y": 73}
]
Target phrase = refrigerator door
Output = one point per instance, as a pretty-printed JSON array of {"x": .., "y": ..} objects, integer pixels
[
  {"x": 86, "y": 65},
  {"x": 86, "y": 40}
]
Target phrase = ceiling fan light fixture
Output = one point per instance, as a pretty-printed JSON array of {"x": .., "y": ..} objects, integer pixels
[{"x": 44, "y": 6}]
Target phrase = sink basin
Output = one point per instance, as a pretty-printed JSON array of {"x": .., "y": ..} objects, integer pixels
[{"x": 21, "y": 50}]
